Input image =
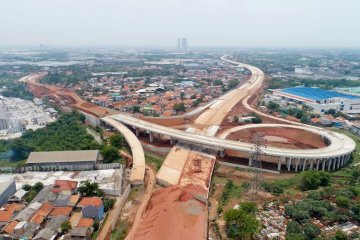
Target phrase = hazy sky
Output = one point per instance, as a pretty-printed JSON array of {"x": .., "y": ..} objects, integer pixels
[{"x": 238, "y": 23}]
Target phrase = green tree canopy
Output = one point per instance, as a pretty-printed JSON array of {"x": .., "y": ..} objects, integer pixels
[{"x": 240, "y": 224}]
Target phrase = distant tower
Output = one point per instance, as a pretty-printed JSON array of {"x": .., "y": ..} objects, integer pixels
[
  {"x": 179, "y": 44},
  {"x": 182, "y": 44}
]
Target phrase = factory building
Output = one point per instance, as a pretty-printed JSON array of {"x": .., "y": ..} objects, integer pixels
[
  {"x": 7, "y": 189},
  {"x": 320, "y": 100},
  {"x": 63, "y": 160}
]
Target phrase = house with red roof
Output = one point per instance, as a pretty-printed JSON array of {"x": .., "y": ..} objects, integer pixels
[
  {"x": 64, "y": 186},
  {"x": 92, "y": 207}
]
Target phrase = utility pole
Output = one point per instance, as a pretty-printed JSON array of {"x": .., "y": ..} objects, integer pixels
[{"x": 256, "y": 165}]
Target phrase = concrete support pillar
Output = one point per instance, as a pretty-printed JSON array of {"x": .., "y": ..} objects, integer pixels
[
  {"x": 337, "y": 162},
  {"x": 279, "y": 164},
  {"x": 342, "y": 160},
  {"x": 323, "y": 164},
  {"x": 311, "y": 163},
  {"x": 317, "y": 164},
  {"x": 304, "y": 164},
  {"x": 250, "y": 161},
  {"x": 334, "y": 163},
  {"x": 289, "y": 164},
  {"x": 137, "y": 132},
  {"x": 151, "y": 137},
  {"x": 329, "y": 162},
  {"x": 222, "y": 153},
  {"x": 297, "y": 164},
  {"x": 171, "y": 141}
]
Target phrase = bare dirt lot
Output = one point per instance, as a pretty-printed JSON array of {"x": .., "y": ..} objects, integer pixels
[{"x": 281, "y": 137}]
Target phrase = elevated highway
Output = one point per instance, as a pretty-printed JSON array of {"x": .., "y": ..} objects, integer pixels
[
  {"x": 138, "y": 168},
  {"x": 336, "y": 154}
]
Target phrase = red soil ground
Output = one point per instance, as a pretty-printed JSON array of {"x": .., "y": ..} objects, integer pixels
[
  {"x": 293, "y": 138},
  {"x": 172, "y": 214}
]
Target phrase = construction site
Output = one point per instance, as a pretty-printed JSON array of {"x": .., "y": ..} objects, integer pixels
[{"x": 178, "y": 207}]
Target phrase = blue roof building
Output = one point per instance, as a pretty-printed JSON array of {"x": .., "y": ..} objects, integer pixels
[{"x": 320, "y": 99}]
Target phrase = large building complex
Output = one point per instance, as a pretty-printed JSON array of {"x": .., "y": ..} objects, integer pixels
[
  {"x": 321, "y": 100},
  {"x": 18, "y": 115}
]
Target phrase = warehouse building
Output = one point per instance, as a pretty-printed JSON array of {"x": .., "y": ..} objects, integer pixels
[
  {"x": 7, "y": 189},
  {"x": 63, "y": 160},
  {"x": 321, "y": 100}
]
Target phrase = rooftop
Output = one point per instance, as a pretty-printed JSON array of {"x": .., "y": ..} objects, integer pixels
[
  {"x": 61, "y": 211},
  {"x": 316, "y": 94},
  {"x": 85, "y": 222},
  {"x": 86, "y": 201},
  {"x": 64, "y": 185},
  {"x": 63, "y": 156},
  {"x": 9, "y": 228}
]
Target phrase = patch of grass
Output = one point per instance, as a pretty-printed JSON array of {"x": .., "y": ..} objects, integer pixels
[
  {"x": 4, "y": 163},
  {"x": 120, "y": 231},
  {"x": 154, "y": 160},
  {"x": 219, "y": 180}
]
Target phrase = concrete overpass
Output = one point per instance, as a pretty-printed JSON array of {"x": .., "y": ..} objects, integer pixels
[
  {"x": 138, "y": 168},
  {"x": 335, "y": 155}
]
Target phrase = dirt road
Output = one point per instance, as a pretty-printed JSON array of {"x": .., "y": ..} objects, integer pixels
[{"x": 149, "y": 189}]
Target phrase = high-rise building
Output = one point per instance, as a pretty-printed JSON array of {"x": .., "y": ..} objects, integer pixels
[{"x": 182, "y": 44}]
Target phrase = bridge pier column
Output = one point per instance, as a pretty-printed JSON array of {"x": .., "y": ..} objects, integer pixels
[
  {"x": 317, "y": 164},
  {"x": 279, "y": 164},
  {"x": 334, "y": 163},
  {"x": 330, "y": 162},
  {"x": 289, "y": 164},
  {"x": 151, "y": 137},
  {"x": 137, "y": 132},
  {"x": 172, "y": 141},
  {"x": 338, "y": 162},
  {"x": 311, "y": 163},
  {"x": 323, "y": 164},
  {"x": 297, "y": 164},
  {"x": 222, "y": 153},
  {"x": 304, "y": 164}
]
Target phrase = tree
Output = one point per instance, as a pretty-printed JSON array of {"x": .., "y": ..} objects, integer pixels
[
  {"x": 240, "y": 225},
  {"x": 273, "y": 106},
  {"x": 90, "y": 189},
  {"x": 182, "y": 95},
  {"x": 233, "y": 84},
  {"x": 179, "y": 107},
  {"x": 96, "y": 225},
  {"x": 26, "y": 187},
  {"x": 294, "y": 227},
  {"x": 65, "y": 227},
  {"x": 295, "y": 236},
  {"x": 340, "y": 235},
  {"x": 108, "y": 203},
  {"x": 38, "y": 186},
  {"x": 313, "y": 179},
  {"x": 256, "y": 119},
  {"x": 110, "y": 154},
  {"x": 342, "y": 201},
  {"x": 311, "y": 230},
  {"x": 136, "y": 109},
  {"x": 249, "y": 207},
  {"x": 116, "y": 140},
  {"x": 218, "y": 83}
]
